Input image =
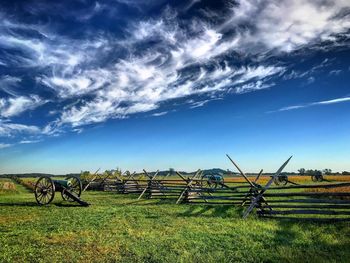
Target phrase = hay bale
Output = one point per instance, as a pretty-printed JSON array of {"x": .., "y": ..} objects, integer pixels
[{"x": 8, "y": 186}]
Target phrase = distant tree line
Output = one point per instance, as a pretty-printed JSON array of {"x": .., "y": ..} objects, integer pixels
[{"x": 303, "y": 171}]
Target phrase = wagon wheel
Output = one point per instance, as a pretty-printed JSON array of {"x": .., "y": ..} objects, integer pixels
[
  {"x": 74, "y": 186},
  {"x": 44, "y": 190}
]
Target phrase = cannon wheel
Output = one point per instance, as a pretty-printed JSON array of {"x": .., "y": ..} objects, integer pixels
[
  {"x": 317, "y": 178},
  {"x": 207, "y": 182},
  {"x": 214, "y": 183},
  {"x": 44, "y": 190},
  {"x": 74, "y": 187},
  {"x": 281, "y": 180},
  {"x": 210, "y": 183}
]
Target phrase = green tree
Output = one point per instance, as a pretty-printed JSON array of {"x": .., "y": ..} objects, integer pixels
[
  {"x": 301, "y": 171},
  {"x": 327, "y": 171}
]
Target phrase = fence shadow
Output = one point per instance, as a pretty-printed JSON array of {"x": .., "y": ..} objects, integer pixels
[
  {"x": 212, "y": 211},
  {"x": 150, "y": 202}
]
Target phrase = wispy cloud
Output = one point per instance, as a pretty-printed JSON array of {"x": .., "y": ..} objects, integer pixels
[
  {"x": 324, "y": 102},
  {"x": 8, "y": 84},
  {"x": 14, "y": 106},
  {"x": 335, "y": 72},
  {"x": 29, "y": 141},
  {"x": 11, "y": 129},
  {"x": 253, "y": 86},
  {"x": 157, "y": 114},
  {"x": 4, "y": 145}
]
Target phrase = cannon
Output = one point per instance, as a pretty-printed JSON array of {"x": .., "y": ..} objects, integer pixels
[
  {"x": 281, "y": 179},
  {"x": 70, "y": 189},
  {"x": 317, "y": 178},
  {"x": 213, "y": 180}
]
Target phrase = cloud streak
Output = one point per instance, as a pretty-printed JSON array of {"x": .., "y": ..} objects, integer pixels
[
  {"x": 12, "y": 129},
  {"x": 324, "y": 102}
]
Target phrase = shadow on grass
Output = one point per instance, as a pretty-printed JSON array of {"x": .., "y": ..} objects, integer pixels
[
  {"x": 212, "y": 211},
  {"x": 150, "y": 202},
  {"x": 20, "y": 204},
  {"x": 68, "y": 205},
  {"x": 34, "y": 204}
]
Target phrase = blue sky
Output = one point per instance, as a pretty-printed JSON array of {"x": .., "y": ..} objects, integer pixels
[{"x": 159, "y": 84}]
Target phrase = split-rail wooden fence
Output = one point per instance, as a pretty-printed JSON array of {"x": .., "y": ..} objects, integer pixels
[{"x": 316, "y": 201}]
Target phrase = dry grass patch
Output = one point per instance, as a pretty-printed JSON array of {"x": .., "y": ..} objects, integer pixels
[{"x": 343, "y": 189}]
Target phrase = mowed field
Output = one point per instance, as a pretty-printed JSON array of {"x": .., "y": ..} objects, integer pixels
[{"x": 118, "y": 228}]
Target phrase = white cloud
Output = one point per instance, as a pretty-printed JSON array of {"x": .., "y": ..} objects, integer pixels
[
  {"x": 5, "y": 145},
  {"x": 77, "y": 84},
  {"x": 324, "y": 102},
  {"x": 295, "y": 107},
  {"x": 198, "y": 104},
  {"x": 51, "y": 50},
  {"x": 10, "y": 129},
  {"x": 335, "y": 72},
  {"x": 190, "y": 4},
  {"x": 8, "y": 84},
  {"x": 137, "y": 85},
  {"x": 253, "y": 86},
  {"x": 288, "y": 24},
  {"x": 259, "y": 72},
  {"x": 159, "y": 113},
  {"x": 29, "y": 141},
  {"x": 14, "y": 106}
]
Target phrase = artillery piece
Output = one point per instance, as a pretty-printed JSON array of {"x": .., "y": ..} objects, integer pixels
[
  {"x": 70, "y": 189},
  {"x": 281, "y": 179},
  {"x": 317, "y": 178},
  {"x": 213, "y": 180}
]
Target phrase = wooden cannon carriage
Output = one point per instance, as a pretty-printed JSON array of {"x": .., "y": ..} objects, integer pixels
[{"x": 70, "y": 189}]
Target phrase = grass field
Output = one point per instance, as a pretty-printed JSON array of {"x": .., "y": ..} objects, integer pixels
[{"x": 117, "y": 228}]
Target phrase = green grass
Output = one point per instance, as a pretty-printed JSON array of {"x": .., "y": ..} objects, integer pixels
[{"x": 117, "y": 228}]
